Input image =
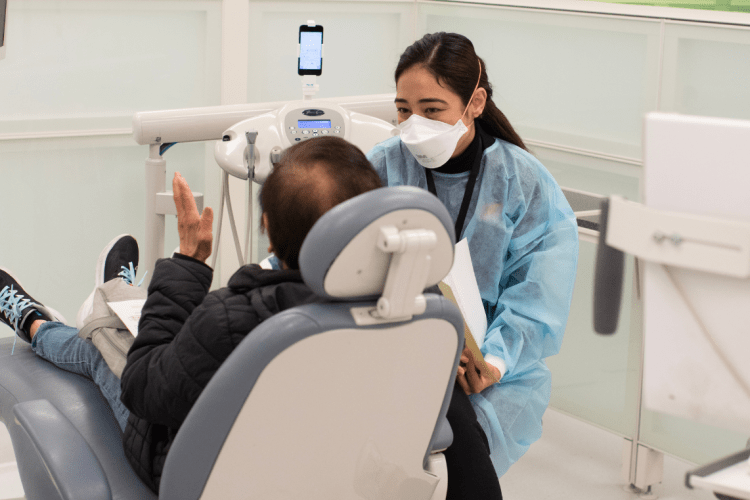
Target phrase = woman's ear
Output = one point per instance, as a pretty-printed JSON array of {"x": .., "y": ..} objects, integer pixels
[{"x": 478, "y": 102}]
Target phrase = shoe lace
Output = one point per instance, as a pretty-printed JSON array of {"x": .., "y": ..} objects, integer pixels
[
  {"x": 128, "y": 275},
  {"x": 11, "y": 305}
]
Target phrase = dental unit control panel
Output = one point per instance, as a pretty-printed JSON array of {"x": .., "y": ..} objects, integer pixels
[
  {"x": 295, "y": 122},
  {"x": 299, "y": 127}
]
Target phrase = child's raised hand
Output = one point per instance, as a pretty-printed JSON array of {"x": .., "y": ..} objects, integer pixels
[{"x": 195, "y": 230}]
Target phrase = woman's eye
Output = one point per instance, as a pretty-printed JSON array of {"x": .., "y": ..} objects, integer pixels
[
  {"x": 402, "y": 110},
  {"x": 431, "y": 110}
]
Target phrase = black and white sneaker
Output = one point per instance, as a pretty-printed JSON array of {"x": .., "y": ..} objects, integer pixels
[
  {"x": 118, "y": 260},
  {"x": 18, "y": 309}
]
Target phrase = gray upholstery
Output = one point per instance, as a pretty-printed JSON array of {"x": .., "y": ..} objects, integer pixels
[
  {"x": 202, "y": 435},
  {"x": 72, "y": 465},
  {"x": 26, "y": 377}
]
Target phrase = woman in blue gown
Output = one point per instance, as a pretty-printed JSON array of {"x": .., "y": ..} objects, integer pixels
[{"x": 521, "y": 233}]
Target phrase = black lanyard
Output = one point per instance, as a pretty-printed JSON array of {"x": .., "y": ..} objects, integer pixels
[{"x": 467, "y": 194}]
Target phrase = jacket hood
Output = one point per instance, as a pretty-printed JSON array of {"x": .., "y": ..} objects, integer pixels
[{"x": 253, "y": 276}]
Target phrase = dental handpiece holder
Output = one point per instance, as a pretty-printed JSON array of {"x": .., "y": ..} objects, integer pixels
[{"x": 296, "y": 122}]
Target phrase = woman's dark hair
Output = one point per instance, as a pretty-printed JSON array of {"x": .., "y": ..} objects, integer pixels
[
  {"x": 312, "y": 177},
  {"x": 450, "y": 57}
]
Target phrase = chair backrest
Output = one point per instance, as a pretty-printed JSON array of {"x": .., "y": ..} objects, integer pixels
[{"x": 332, "y": 400}]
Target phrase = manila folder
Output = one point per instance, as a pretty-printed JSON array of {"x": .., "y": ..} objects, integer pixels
[{"x": 460, "y": 287}]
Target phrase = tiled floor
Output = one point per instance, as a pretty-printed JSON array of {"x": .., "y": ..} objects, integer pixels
[{"x": 572, "y": 461}]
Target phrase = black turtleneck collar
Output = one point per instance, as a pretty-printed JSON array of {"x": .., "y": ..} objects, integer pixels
[{"x": 464, "y": 161}]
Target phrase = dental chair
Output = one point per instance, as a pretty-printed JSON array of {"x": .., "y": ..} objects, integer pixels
[{"x": 339, "y": 400}]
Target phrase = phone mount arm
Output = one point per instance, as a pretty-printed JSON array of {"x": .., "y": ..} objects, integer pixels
[{"x": 310, "y": 86}]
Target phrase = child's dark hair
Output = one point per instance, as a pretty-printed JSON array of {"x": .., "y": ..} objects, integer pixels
[{"x": 312, "y": 177}]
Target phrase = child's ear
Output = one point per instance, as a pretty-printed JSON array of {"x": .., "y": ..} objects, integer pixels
[{"x": 264, "y": 229}]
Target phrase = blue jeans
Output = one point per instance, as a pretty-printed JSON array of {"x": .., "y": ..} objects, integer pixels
[{"x": 60, "y": 345}]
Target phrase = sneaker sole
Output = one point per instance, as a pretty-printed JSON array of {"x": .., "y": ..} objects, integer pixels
[{"x": 52, "y": 312}]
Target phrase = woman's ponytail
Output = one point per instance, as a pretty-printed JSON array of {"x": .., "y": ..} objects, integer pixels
[{"x": 496, "y": 124}]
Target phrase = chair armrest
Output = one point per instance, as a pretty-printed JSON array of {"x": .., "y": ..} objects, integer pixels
[
  {"x": 443, "y": 437},
  {"x": 73, "y": 467}
]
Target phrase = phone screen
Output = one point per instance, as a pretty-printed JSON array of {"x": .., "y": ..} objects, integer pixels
[{"x": 310, "y": 50}]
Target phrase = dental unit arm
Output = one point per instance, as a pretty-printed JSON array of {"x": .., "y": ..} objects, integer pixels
[
  {"x": 375, "y": 114},
  {"x": 250, "y": 148},
  {"x": 294, "y": 122}
]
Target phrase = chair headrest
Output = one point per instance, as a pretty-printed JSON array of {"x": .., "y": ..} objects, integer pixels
[{"x": 340, "y": 258}]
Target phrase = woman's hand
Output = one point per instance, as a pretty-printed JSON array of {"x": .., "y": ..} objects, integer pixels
[
  {"x": 469, "y": 375},
  {"x": 195, "y": 229}
]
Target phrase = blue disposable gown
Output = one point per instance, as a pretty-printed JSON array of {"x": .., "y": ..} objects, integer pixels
[{"x": 523, "y": 239}]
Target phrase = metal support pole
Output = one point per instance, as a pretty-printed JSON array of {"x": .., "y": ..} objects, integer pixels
[{"x": 156, "y": 178}]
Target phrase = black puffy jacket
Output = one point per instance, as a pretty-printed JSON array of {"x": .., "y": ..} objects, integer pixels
[{"x": 184, "y": 335}]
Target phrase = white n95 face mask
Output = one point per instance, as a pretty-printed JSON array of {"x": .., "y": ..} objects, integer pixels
[{"x": 431, "y": 142}]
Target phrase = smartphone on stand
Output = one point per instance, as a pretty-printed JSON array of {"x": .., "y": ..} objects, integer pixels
[{"x": 310, "y": 60}]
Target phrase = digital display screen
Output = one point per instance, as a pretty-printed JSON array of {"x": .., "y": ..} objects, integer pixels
[
  {"x": 314, "y": 123},
  {"x": 311, "y": 49}
]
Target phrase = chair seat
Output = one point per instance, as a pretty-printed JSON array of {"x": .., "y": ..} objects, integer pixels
[{"x": 26, "y": 377}]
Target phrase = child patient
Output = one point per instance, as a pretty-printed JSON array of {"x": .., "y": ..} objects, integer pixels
[{"x": 185, "y": 333}]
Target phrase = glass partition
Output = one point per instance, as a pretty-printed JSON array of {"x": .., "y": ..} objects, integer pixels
[
  {"x": 568, "y": 79},
  {"x": 697, "y": 443},
  {"x": 82, "y": 65},
  {"x": 706, "y": 70},
  {"x": 595, "y": 377}
]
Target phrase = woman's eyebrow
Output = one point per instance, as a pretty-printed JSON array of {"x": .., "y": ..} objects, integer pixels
[{"x": 425, "y": 100}]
